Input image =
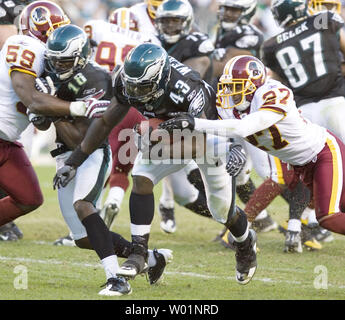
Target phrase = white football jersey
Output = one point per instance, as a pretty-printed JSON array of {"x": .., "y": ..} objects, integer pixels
[
  {"x": 114, "y": 42},
  {"x": 145, "y": 24},
  {"x": 24, "y": 54},
  {"x": 293, "y": 139}
]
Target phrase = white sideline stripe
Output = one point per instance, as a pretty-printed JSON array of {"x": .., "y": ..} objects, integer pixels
[{"x": 187, "y": 274}]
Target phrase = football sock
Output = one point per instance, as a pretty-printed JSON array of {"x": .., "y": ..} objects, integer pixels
[
  {"x": 99, "y": 235},
  {"x": 238, "y": 225},
  {"x": 111, "y": 266},
  {"x": 245, "y": 191},
  {"x": 294, "y": 225},
  {"x": 141, "y": 208},
  {"x": 262, "y": 215},
  {"x": 261, "y": 198},
  {"x": 115, "y": 195},
  {"x": 298, "y": 200},
  {"x": 122, "y": 247}
]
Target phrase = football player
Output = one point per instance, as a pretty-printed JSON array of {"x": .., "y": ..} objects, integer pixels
[
  {"x": 112, "y": 41},
  {"x": 263, "y": 111},
  {"x": 173, "y": 21},
  {"x": 235, "y": 36},
  {"x": 146, "y": 13},
  {"x": 157, "y": 84},
  {"x": 68, "y": 53},
  {"x": 9, "y": 11},
  {"x": 318, "y": 85},
  {"x": 21, "y": 61}
]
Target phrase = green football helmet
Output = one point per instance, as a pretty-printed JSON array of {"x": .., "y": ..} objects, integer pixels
[
  {"x": 174, "y": 19},
  {"x": 227, "y": 16},
  {"x": 145, "y": 73},
  {"x": 68, "y": 51},
  {"x": 286, "y": 12}
]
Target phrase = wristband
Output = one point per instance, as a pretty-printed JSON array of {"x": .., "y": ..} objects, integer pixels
[
  {"x": 76, "y": 158},
  {"x": 77, "y": 108}
]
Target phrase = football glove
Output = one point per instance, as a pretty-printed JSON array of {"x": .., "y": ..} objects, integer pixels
[
  {"x": 180, "y": 120},
  {"x": 45, "y": 85},
  {"x": 63, "y": 176},
  {"x": 95, "y": 108},
  {"x": 35, "y": 119},
  {"x": 235, "y": 160}
]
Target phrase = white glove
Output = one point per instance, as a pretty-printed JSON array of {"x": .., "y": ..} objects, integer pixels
[
  {"x": 45, "y": 85},
  {"x": 36, "y": 119},
  {"x": 95, "y": 108}
]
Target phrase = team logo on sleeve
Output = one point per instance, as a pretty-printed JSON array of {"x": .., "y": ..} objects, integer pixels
[{"x": 197, "y": 104}]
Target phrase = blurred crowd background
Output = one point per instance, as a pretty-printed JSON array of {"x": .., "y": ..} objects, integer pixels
[{"x": 205, "y": 12}]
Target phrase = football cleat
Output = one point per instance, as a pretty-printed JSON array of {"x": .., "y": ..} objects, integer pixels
[
  {"x": 168, "y": 223},
  {"x": 108, "y": 214},
  {"x": 293, "y": 242},
  {"x": 16, "y": 230},
  {"x": 308, "y": 240},
  {"x": 163, "y": 257},
  {"x": 319, "y": 233},
  {"x": 65, "y": 241},
  {"x": 116, "y": 287},
  {"x": 264, "y": 225},
  {"x": 246, "y": 258},
  {"x": 7, "y": 233}
]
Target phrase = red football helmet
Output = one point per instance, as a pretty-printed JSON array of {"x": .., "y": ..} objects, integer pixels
[
  {"x": 242, "y": 76},
  {"x": 40, "y": 18},
  {"x": 124, "y": 18}
]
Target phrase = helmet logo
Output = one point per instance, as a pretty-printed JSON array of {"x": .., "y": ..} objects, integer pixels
[
  {"x": 40, "y": 15},
  {"x": 254, "y": 70}
]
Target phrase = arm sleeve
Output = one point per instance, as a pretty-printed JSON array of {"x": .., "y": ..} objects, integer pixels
[{"x": 231, "y": 128}]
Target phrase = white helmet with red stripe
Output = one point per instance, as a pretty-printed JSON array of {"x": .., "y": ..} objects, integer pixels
[
  {"x": 124, "y": 18},
  {"x": 242, "y": 76}
]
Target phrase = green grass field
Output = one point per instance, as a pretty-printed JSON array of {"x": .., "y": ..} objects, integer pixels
[{"x": 201, "y": 269}]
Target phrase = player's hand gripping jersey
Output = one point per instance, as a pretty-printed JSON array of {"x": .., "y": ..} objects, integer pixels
[{"x": 23, "y": 54}]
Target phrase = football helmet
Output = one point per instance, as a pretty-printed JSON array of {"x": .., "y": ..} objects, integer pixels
[
  {"x": 315, "y": 6},
  {"x": 242, "y": 76},
  {"x": 229, "y": 15},
  {"x": 145, "y": 73},
  {"x": 124, "y": 18},
  {"x": 152, "y": 6},
  {"x": 40, "y": 18},
  {"x": 68, "y": 51},
  {"x": 174, "y": 19},
  {"x": 286, "y": 12}
]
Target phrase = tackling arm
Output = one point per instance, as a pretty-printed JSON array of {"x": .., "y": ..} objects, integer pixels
[
  {"x": 247, "y": 126},
  {"x": 42, "y": 103}
]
